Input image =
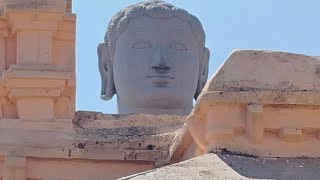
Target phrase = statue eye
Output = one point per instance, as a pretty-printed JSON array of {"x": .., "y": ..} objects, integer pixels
[
  {"x": 178, "y": 46},
  {"x": 142, "y": 45}
]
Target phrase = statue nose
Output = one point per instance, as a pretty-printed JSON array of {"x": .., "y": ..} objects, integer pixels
[
  {"x": 161, "y": 68},
  {"x": 160, "y": 62}
]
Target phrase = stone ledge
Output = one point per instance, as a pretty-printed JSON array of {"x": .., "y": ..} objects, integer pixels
[
  {"x": 136, "y": 124},
  {"x": 39, "y": 73},
  {"x": 68, "y": 145},
  {"x": 132, "y": 132},
  {"x": 262, "y": 97},
  {"x": 62, "y": 125},
  {"x": 29, "y": 93}
]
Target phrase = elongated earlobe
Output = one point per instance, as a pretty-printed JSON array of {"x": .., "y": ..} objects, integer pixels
[
  {"x": 203, "y": 73},
  {"x": 106, "y": 72}
]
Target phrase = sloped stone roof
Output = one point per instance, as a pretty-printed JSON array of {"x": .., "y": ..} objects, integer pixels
[
  {"x": 223, "y": 166},
  {"x": 249, "y": 70}
]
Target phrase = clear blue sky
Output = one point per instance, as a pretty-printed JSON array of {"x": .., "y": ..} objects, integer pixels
[{"x": 284, "y": 25}]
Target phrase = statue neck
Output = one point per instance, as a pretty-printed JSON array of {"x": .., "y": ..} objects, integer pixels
[{"x": 124, "y": 108}]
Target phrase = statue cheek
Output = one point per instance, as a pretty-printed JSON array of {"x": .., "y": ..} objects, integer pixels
[{"x": 187, "y": 61}]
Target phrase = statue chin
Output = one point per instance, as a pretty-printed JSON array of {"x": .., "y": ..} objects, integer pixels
[
  {"x": 156, "y": 106},
  {"x": 153, "y": 110}
]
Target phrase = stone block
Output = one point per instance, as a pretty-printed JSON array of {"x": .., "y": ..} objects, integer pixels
[
  {"x": 34, "y": 48},
  {"x": 14, "y": 168},
  {"x": 11, "y": 51},
  {"x": 64, "y": 108},
  {"x": 291, "y": 134},
  {"x": 35, "y": 108},
  {"x": 9, "y": 111},
  {"x": 219, "y": 134}
]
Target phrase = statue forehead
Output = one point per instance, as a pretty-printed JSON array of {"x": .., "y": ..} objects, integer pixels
[
  {"x": 148, "y": 24},
  {"x": 147, "y": 20}
]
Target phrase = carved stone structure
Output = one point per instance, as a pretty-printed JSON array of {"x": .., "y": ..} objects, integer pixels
[
  {"x": 262, "y": 103},
  {"x": 154, "y": 58},
  {"x": 37, "y": 60},
  {"x": 37, "y": 88}
]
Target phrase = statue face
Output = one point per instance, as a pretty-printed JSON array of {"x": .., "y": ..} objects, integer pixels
[{"x": 156, "y": 66}]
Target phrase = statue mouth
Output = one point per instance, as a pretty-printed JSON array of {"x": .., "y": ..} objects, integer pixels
[{"x": 161, "y": 80}]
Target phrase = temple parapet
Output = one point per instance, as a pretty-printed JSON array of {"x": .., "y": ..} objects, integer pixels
[
  {"x": 136, "y": 137},
  {"x": 263, "y": 103}
]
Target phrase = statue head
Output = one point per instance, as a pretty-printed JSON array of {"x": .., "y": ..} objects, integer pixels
[{"x": 154, "y": 58}]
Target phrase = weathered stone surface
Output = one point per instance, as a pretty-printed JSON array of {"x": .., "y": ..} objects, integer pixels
[
  {"x": 37, "y": 5},
  {"x": 149, "y": 137},
  {"x": 261, "y": 102},
  {"x": 227, "y": 166},
  {"x": 250, "y": 70}
]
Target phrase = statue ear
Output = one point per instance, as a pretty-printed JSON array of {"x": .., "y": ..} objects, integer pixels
[
  {"x": 203, "y": 73},
  {"x": 106, "y": 72}
]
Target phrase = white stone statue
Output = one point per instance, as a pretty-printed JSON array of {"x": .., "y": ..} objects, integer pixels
[{"x": 154, "y": 58}]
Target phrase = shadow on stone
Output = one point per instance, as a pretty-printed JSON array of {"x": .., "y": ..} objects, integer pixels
[{"x": 272, "y": 168}]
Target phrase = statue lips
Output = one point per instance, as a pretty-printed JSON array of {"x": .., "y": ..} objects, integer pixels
[{"x": 161, "y": 80}]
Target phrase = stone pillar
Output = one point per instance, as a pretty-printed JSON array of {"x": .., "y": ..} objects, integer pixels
[
  {"x": 1, "y": 7},
  {"x": 254, "y": 123},
  {"x": 41, "y": 82},
  {"x": 69, "y": 5},
  {"x": 4, "y": 32}
]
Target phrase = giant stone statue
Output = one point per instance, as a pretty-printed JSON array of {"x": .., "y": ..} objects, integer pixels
[{"x": 154, "y": 58}]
